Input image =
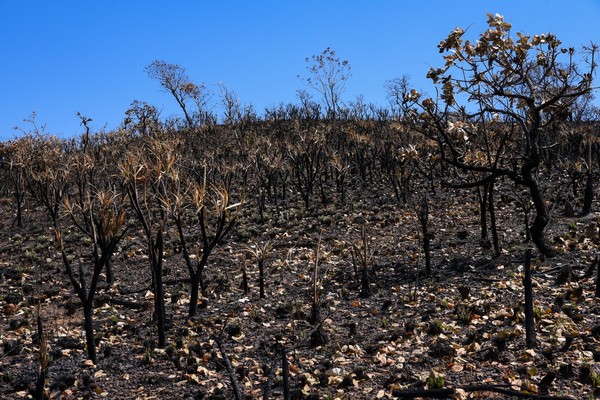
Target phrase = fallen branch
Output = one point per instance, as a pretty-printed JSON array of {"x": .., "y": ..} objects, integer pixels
[
  {"x": 134, "y": 305},
  {"x": 444, "y": 393},
  {"x": 236, "y": 388}
]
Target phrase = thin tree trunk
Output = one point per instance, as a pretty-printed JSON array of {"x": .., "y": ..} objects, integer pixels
[
  {"x": 194, "y": 288},
  {"x": 492, "y": 210},
  {"x": 40, "y": 385},
  {"x": 88, "y": 323},
  {"x": 530, "y": 339},
  {"x": 285, "y": 372},
  {"x": 19, "y": 217},
  {"x": 542, "y": 216},
  {"x": 588, "y": 196},
  {"x": 540, "y": 222},
  {"x": 159, "y": 291},
  {"x": 365, "y": 288},
  {"x": 483, "y": 201},
  {"x": 424, "y": 219},
  {"x": 110, "y": 276}
]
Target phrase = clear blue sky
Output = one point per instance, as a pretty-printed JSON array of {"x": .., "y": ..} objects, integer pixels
[{"x": 61, "y": 57}]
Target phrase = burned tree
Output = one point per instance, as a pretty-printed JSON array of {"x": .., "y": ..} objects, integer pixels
[{"x": 497, "y": 99}]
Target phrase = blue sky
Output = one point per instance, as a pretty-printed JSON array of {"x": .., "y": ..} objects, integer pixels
[{"x": 63, "y": 57}]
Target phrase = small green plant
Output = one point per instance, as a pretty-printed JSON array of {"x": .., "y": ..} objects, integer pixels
[
  {"x": 435, "y": 380},
  {"x": 45, "y": 239},
  {"x": 463, "y": 314},
  {"x": 595, "y": 379},
  {"x": 572, "y": 225},
  {"x": 148, "y": 358},
  {"x": 385, "y": 323},
  {"x": 436, "y": 327},
  {"x": 8, "y": 377},
  {"x": 500, "y": 340},
  {"x": 537, "y": 313}
]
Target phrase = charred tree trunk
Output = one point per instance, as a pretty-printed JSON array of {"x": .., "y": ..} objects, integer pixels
[
  {"x": 530, "y": 339},
  {"x": 492, "y": 211},
  {"x": 194, "y": 289},
  {"x": 365, "y": 287},
  {"x": 423, "y": 215},
  {"x": 540, "y": 222},
  {"x": 285, "y": 372},
  {"x": 88, "y": 323},
  {"x": 110, "y": 276},
  {"x": 197, "y": 286},
  {"x": 40, "y": 384},
  {"x": 483, "y": 202},
  {"x": 159, "y": 293},
  {"x": 588, "y": 196},
  {"x": 542, "y": 216},
  {"x": 19, "y": 197}
]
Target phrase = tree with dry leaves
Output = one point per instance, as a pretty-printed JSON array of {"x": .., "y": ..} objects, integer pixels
[
  {"x": 497, "y": 98},
  {"x": 100, "y": 216},
  {"x": 213, "y": 213},
  {"x": 174, "y": 80},
  {"x": 144, "y": 173}
]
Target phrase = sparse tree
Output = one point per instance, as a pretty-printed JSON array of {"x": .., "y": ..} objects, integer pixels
[
  {"x": 142, "y": 118},
  {"x": 14, "y": 160},
  {"x": 232, "y": 111},
  {"x": 174, "y": 80},
  {"x": 396, "y": 90},
  {"x": 328, "y": 76}
]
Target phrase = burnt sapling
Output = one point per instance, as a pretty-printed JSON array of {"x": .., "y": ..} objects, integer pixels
[
  {"x": 260, "y": 252},
  {"x": 214, "y": 215},
  {"x": 361, "y": 255},
  {"x": 105, "y": 214}
]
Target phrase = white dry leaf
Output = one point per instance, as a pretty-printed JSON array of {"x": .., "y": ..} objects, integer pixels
[
  {"x": 88, "y": 363},
  {"x": 311, "y": 379},
  {"x": 459, "y": 394},
  {"x": 334, "y": 371},
  {"x": 530, "y": 352},
  {"x": 238, "y": 338}
]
